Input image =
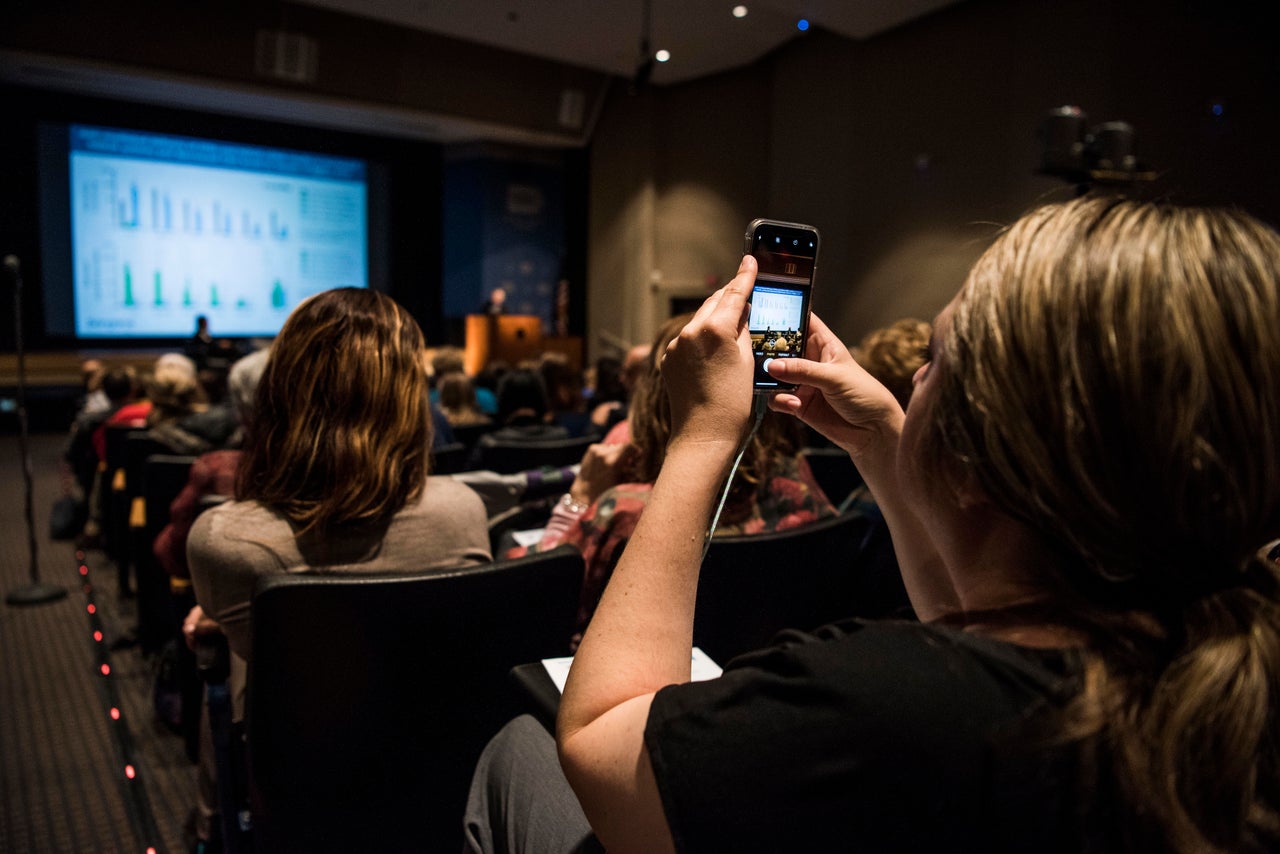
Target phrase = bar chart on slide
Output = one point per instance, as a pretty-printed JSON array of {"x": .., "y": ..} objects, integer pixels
[
  {"x": 776, "y": 309},
  {"x": 164, "y": 231}
]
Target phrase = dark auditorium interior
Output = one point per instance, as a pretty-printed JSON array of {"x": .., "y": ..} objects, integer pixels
[{"x": 551, "y": 150}]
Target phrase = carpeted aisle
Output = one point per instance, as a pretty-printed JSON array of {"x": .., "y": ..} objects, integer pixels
[{"x": 74, "y": 775}]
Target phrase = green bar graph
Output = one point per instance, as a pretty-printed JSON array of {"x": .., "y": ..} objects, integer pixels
[
  {"x": 128, "y": 286},
  {"x": 159, "y": 291}
]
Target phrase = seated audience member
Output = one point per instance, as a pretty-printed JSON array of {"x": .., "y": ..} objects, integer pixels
[
  {"x": 134, "y": 413},
  {"x": 172, "y": 396},
  {"x": 634, "y": 366},
  {"x": 333, "y": 473},
  {"x": 486, "y": 381},
  {"x": 95, "y": 399},
  {"x": 523, "y": 412},
  {"x": 773, "y": 489},
  {"x": 118, "y": 386},
  {"x": 449, "y": 360},
  {"x": 458, "y": 401},
  {"x": 213, "y": 473},
  {"x": 893, "y": 354},
  {"x": 608, "y": 395},
  {"x": 178, "y": 401},
  {"x": 564, "y": 394},
  {"x": 1078, "y": 493}
]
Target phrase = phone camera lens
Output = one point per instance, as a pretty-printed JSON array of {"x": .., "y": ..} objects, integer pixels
[{"x": 795, "y": 242}]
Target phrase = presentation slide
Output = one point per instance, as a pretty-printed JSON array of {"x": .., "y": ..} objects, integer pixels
[
  {"x": 776, "y": 309},
  {"x": 166, "y": 228}
]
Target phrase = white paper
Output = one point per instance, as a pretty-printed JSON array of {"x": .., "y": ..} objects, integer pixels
[
  {"x": 702, "y": 668},
  {"x": 529, "y": 538}
]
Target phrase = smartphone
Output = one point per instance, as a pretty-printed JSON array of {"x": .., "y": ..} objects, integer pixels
[{"x": 787, "y": 259}]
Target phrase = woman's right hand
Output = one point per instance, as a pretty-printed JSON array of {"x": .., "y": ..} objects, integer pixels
[
  {"x": 836, "y": 397},
  {"x": 198, "y": 624}
]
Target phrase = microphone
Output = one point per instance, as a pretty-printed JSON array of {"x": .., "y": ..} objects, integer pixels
[{"x": 13, "y": 265}]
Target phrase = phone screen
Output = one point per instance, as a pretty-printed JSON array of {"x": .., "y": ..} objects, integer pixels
[{"x": 786, "y": 255}]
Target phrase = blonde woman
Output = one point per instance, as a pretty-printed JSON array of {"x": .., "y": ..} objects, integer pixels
[{"x": 1078, "y": 494}]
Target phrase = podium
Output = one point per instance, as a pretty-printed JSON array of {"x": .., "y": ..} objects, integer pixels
[
  {"x": 512, "y": 338},
  {"x": 509, "y": 337}
]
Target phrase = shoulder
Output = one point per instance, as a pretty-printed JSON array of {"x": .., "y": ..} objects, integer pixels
[
  {"x": 447, "y": 505},
  {"x": 448, "y": 525},
  {"x": 902, "y": 736},
  {"x": 885, "y": 681},
  {"x": 444, "y": 493},
  {"x": 234, "y": 522}
]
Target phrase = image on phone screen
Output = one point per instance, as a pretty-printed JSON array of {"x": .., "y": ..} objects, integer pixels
[{"x": 779, "y": 319}]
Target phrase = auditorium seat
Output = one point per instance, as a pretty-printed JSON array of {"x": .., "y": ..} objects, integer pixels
[
  {"x": 752, "y": 587},
  {"x": 513, "y": 457},
  {"x": 371, "y": 697}
]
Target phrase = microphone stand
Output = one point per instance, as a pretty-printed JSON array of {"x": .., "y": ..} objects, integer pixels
[{"x": 35, "y": 593}]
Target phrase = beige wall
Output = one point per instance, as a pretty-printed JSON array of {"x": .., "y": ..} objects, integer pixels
[
  {"x": 675, "y": 177},
  {"x": 909, "y": 150}
]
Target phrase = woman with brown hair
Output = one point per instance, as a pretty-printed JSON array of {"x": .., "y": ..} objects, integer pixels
[
  {"x": 458, "y": 400},
  {"x": 1078, "y": 492},
  {"x": 334, "y": 470}
]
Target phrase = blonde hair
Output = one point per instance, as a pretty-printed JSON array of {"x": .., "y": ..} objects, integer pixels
[
  {"x": 1110, "y": 377},
  {"x": 893, "y": 354},
  {"x": 174, "y": 389},
  {"x": 341, "y": 426}
]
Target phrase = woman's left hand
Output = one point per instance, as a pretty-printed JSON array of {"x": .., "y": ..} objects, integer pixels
[
  {"x": 603, "y": 467},
  {"x": 708, "y": 367}
]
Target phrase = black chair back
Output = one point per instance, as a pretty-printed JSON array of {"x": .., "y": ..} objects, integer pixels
[
  {"x": 449, "y": 459},
  {"x": 139, "y": 446},
  {"x": 371, "y": 697},
  {"x": 114, "y": 499},
  {"x": 163, "y": 477},
  {"x": 752, "y": 587},
  {"x": 514, "y": 457},
  {"x": 469, "y": 434},
  {"x": 835, "y": 472},
  {"x": 156, "y": 617}
]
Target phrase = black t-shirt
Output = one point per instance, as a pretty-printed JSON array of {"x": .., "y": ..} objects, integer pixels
[{"x": 888, "y": 736}]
